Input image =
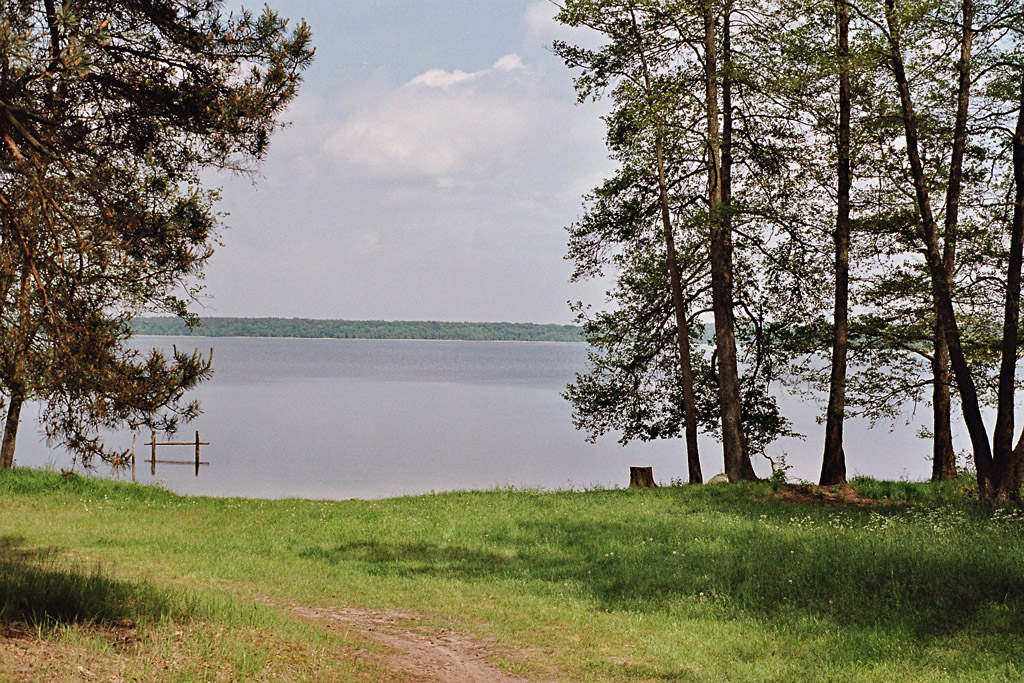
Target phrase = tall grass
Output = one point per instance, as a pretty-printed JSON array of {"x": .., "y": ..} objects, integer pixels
[
  {"x": 696, "y": 583},
  {"x": 657, "y": 551},
  {"x": 44, "y": 590}
]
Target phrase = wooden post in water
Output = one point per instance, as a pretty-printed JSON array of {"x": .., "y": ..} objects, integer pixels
[
  {"x": 133, "y": 457},
  {"x": 152, "y": 467},
  {"x": 197, "y": 452}
]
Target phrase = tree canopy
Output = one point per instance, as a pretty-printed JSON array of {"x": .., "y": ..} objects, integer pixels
[
  {"x": 841, "y": 179},
  {"x": 109, "y": 113}
]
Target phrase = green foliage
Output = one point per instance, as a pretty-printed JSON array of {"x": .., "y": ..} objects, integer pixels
[
  {"x": 782, "y": 71},
  {"x": 650, "y": 68},
  {"x": 358, "y": 329},
  {"x": 779, "y": 478},
  {"x": 109, "y": 114}
]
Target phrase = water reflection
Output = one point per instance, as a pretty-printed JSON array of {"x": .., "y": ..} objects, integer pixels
[{"x": 322, "y": 418}]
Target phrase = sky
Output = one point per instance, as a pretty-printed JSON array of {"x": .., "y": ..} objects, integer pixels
[{"x": 431, "y": 163}]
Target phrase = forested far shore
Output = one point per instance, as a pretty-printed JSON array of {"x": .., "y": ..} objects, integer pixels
[{"x": 359, "y": 329}]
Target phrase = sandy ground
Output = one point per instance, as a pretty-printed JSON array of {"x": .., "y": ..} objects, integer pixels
[
  {"x": 419, "y": 654},
  {"x": 396, "y": 642}
]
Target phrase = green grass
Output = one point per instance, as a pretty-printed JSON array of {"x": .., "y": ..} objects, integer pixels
[{"x": 719, "y": 582}]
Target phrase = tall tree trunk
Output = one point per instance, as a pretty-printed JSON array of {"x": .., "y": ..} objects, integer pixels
[
  {"x": 737, "y": 459},
  {"x": 1007, "y": 460},
  {"x": 16, "y": 371},
  {"x": 833, "y": 464},
  {"x": 14, "y": 403},
  {"x": 675, "y": 281},
  {"x": 721, "y": 268},
  {"x": 682, "y": 328},
  {"x": 940, "y": 284},
  {"x": 943, "y": 455}
]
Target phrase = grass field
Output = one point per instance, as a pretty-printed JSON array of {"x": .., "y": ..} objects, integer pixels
[{"x": 912, "y": 582}]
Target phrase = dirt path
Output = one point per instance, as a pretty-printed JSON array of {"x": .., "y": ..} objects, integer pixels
[
  {"x": 419, "y": 653},
  {"x": 404, "y": 646}
]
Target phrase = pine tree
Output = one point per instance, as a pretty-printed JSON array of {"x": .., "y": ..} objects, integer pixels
[{"x": 109, "y": 112}]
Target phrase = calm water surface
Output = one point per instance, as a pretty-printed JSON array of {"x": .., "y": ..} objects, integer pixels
[{"x": 328, "y": 418}]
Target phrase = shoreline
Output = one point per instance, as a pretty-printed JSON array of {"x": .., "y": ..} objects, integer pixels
[{"x": 307, "y": 328}]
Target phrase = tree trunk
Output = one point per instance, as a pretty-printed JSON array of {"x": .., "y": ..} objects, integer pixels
[
  {"x": 943, "y": 455},
  {"x": 833, "y": 464},
  {"x": 941, "y": 286},
  {"x": 675, "y": 282},
  {"x": 642, "y": 478},
  {"x": 682, "y": 330},
  {"x": 737, "y": 462},
  {"x": 15, "y": 401},
  {"x": 1008, "y": 461},
  {"x": 16, "y": 371},
  {"x": 683, "y": 336}
]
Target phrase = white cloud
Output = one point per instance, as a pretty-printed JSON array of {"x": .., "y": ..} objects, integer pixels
[
  {"x": 439, "y": 78},
  {"x": 438, "y": 196},
  {"x": 421, "y": 134},
  {"x": 451, "y": 126},
  {"x": 509, "y": 63}
]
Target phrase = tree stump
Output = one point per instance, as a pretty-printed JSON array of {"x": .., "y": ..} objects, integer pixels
[{"x": 642, "y": 478}]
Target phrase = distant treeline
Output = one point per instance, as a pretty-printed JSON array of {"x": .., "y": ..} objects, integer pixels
[{"x": 359, "y": 329}]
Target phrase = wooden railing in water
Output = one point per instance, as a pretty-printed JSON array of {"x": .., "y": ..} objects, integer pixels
[{"x": 153, "y": 443}]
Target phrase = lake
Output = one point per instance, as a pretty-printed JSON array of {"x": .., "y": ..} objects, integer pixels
[{"x": 336, "y": 419}]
